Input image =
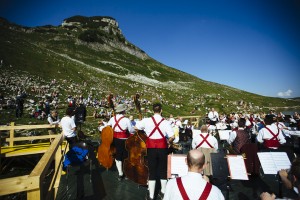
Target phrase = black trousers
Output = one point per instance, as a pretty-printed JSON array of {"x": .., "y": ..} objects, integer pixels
[
  {"x": 157, "y": 163},
  {"x": 71, "y": 141},
  {"x": 121, "y": 152}
]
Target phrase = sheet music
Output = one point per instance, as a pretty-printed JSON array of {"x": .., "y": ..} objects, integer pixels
[
  {"x": 224, "y": 134},
  {"x": 272, "y": 162},
  {"x": 221, "y": 126},
  {"x": 296, "y": 133},
  {"x": 237, "y": 168},
  {"x": 178, "y": 165}
]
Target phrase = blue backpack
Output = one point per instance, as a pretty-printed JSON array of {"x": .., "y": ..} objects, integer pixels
[{"x": 75, "y": 156}]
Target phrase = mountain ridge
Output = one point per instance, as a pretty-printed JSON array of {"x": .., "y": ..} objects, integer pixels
[{"x": 99, "y": 54}]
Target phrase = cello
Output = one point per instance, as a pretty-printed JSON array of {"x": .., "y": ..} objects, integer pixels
[
  {"x": 106, "y": 150},
  {"x": 135, "y": 165}
]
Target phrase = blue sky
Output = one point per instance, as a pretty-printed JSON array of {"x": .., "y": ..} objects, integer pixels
[{"x": 252, "y": 45}]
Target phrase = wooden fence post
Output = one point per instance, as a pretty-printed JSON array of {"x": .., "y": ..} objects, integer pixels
[{"x": 11, "y": 134}]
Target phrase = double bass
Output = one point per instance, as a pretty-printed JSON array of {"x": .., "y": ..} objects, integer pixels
[
  {"x": 106, "y": 150},
  {"x": 135, "y": 166}
]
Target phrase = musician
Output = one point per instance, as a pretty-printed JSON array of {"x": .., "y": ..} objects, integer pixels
[
  {"x": 204, "y": 139},
  {"x": 158, "y": 131},
  {"x": 213, "y": 116},
  {"x": 122, "y": 128},
  {"x": 289, "y": 179},
  {"x": 193, "y": 185},
  {"x": 280, "y": 124},
  {"x": 211, "y": 128},
  {"x": 270, "y": 135},
  {"x": 239, "y": 137}
]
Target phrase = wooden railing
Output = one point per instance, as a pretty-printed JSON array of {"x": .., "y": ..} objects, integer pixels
[
  {"x": 32, "y": 183},
  {"x": 195, "y": 120},
  {"x": 11, "y": 128}
]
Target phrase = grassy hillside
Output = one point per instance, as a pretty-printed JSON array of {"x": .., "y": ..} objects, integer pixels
[{"x": 97, "y": 59}]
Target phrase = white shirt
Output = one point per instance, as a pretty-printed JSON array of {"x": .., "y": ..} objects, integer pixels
[
  {"x": 265, "y": 134},
  {"x": 178, "y": 124},
  {"x": 211, "y": 128},
  {"x": 213, "y": 116},
  {"x": 124, "y": 123},
  {"x": 194, "y": 185},
  {"x": 283, "y": 128},
  {"x": 148, "y": 125},
  {"x": 67, "y": 124},
  {"x": 232, "y": 136},
  {"x": 197, "y": 139},
  {"x": 50, "y": 120},
  {"x": 172, "y": 121}
]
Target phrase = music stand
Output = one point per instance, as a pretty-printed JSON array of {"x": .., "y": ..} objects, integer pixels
[{"x": 220, "y": 172}]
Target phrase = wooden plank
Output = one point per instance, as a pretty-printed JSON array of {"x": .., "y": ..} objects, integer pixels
[
  {"x": 31, "y": 183},
  {"x": 11, "y": 134},
  {"x": 25, "y": 149},
  {"x": 59, "y": 156},
  {"x": 18, "y": 184},
  {"x": 19, "y": 127},
  {"x": 43, "y": 165},
  {"x": 185, "y": 117},
  {"x": 40, "y": 137},
  {"x": 34, "y": 194}
]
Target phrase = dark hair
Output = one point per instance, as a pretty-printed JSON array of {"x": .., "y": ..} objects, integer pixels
[
  {"x": 242, "y": 122},
  {"x": 269, "y": 119},
  {"x": 70, "y": 111},
  {"x": 157, "y": 107}
]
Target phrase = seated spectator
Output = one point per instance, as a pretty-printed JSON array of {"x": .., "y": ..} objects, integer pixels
[
  {"x": 193, "y": 185},
  {"x": 53, "y": 119}
]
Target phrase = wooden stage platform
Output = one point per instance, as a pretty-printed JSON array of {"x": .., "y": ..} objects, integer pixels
[{"x": 93, "y": 182}]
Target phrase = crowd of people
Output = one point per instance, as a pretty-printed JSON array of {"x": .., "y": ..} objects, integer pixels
[{"x": 269, "y": 131}]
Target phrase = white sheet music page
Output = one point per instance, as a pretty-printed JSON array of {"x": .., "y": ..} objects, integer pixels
[
  {"x": 224, "y": 134},
  {"x": 272, "y": 162},
  {"x": 237, "y": 168},
  {"x": 178, "y": 165}
]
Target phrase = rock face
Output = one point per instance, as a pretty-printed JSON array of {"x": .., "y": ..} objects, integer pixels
[
  {"x": 103, "y": 23},
  {"x": 107, "y": 25}
]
